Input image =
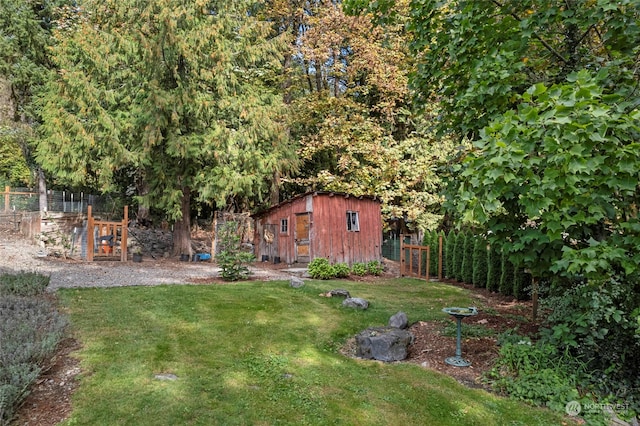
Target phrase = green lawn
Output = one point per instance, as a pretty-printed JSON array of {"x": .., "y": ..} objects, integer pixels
[{"x": 264, "y": 354}]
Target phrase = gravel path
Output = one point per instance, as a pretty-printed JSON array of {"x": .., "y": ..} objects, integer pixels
[{"x": 18, "y": 255}]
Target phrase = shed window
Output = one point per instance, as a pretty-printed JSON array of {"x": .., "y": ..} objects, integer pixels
[
  {"x": 284, "y": 226},
  {"x": 353, "y": 224}
]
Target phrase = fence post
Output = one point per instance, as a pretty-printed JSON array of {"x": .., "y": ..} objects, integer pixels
[
  {"x": 440, "y": 242},
  {"x": 89, "y": 235},
  {"x": 123, "y": 237},
  {"x": 7, "y": 200},
  {"x": 402, "y": 258}
]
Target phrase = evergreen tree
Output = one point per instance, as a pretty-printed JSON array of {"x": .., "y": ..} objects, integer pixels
[
  {"x": 459, "y": 255},
  {"x": 449, "y": 269},
  {"x": 521, "y": 284},
  {"x": 507, "y": 276},
  {"x": 182, "y": 92},
  {"x": 467, "y": 259},
  {"x": 494, "y": 268},
  {"x": 480, "y": 262},
  {"x": 433, "y": 267}
]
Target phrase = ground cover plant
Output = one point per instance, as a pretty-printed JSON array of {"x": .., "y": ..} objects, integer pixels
[
  {"x": 264, "y": 353},
  {"x": 30, "y": 329}
]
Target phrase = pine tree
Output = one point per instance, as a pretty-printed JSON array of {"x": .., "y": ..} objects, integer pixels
[
  {"x": 480, "y": 262},
  {"x": 494, "y": 268}
]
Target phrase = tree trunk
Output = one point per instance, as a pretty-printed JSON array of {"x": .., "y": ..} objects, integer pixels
[
  {"x": 42, "y": 190},
  {"x": 182, "y": 227},
  {"x": 144, "y": 213}
]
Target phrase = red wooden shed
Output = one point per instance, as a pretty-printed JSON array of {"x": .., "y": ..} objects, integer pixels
[{"x": 339, "y": 227}]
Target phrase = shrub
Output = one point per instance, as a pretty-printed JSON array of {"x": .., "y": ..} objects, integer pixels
[
  {"x": 480, "y": 262},
  {"x": 506, "y": 277},
  {"x": 30, "y": 330},
  {"x": 494, "y": 266},
  {"x": 458, "y": 255},
  {"x": 23, "y": 283},
  {"x": 449, "y": 269},
  {"x": 467, "y": 258},
  {"x": 321, "y": 269},
  {"x": 521, "y": 284},
  {"x": 231, "y": 259},
  {"x": 375, "y": 268},
  {"x": 359, "y": 269},
  {"x": 341, "y": 270}
]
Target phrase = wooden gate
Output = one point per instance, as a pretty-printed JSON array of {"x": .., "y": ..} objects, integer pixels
[
  {"x": 415, "y": 259},
  {"x": 105, "y": 239}
]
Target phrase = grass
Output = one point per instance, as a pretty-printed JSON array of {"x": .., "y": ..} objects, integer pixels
[{"x": 264, "y": 354}]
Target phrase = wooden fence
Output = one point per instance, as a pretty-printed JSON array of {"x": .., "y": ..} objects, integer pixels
[
  {"x": 105, "y": 238},
  {"x": 415, "y": 259}
]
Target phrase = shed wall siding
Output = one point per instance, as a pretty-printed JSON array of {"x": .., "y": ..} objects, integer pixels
[{"x": 328, "y": 231}]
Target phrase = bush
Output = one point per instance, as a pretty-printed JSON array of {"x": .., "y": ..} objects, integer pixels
[
  {"x": 375, "y": 268},
  {"x": 521, "y": 284},
  {"x": 23, "y": 283},
  {"x": 494, "y": 264},
  {"x": 30, "y": 330},
  {"x": 449, "y": 269},
  {"x": 506, "y": 277},
  {"x": 341, "y": 270},
  {"x": 458, "y": 255},
  {"x": 480, "y": 262},
  {"x": 359, "y": 269},
  {"x": 597, "y": 322},
  {"x": 467, "y": 258},
  {"x": 231, "y": 259},
  {"x": 321, "y": 269}
]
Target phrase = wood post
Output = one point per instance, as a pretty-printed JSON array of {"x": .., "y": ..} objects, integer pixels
[
  {"x": 410, "y": 249},
  {"x": 7, "y": 200},
  {"x": 90, "y": 235}
]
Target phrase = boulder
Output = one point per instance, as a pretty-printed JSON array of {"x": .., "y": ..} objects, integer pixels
[
  {"x": 399, "y": 320},
  {"x": 383, "y": 343},
  {"x": 355, "y": 302},
  {"x": 296, "y": 282},
  {"x": 336, "y": 293}
]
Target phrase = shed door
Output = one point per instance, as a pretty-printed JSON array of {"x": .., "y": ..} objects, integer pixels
[{"x": 302, "y": 237}]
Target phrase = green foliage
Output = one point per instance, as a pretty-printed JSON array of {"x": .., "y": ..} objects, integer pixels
[
  {"x": 183, "y": 94},
  {"x": 359, "y": 269},
  {"x": 14, "y": 169},
  {"x": 449, "y": 252},
  {"x": 467, "y": 258},
  {"x": 507, "y": 275},
  {"x": 596, "y": 322},
  {"x": 375, "y": 268},
  {"x": 23, "y": 284},
  {"x": 521, "y": 284},
  {"x": 532, "y": 373},
  {"x": 458, "y": 255},
  {"x": 30, "y": 329},
  {"x": 232, "y": 259},
  {"x": 341, "y": 269},
  {"x": 494, "y": 272},
  {"x": 320, "y": 269},
  {"x": 480, "y": 262}
]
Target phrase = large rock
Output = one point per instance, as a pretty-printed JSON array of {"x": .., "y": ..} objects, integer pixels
[
  {"x": 399, "y": 320},
  {"x": 355, "y": 302},
  {"x": 383, "y": 343},
  {"x": 296, "y": 282}
]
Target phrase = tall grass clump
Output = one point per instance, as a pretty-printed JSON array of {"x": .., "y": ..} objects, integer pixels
[{"x": 30, "y": 330}]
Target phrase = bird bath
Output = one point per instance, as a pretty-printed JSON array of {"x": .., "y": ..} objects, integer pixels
[{"x": 458, "y": 314}]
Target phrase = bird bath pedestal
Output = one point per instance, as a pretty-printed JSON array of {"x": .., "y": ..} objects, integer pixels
[{"x": 458, "y": 314}]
